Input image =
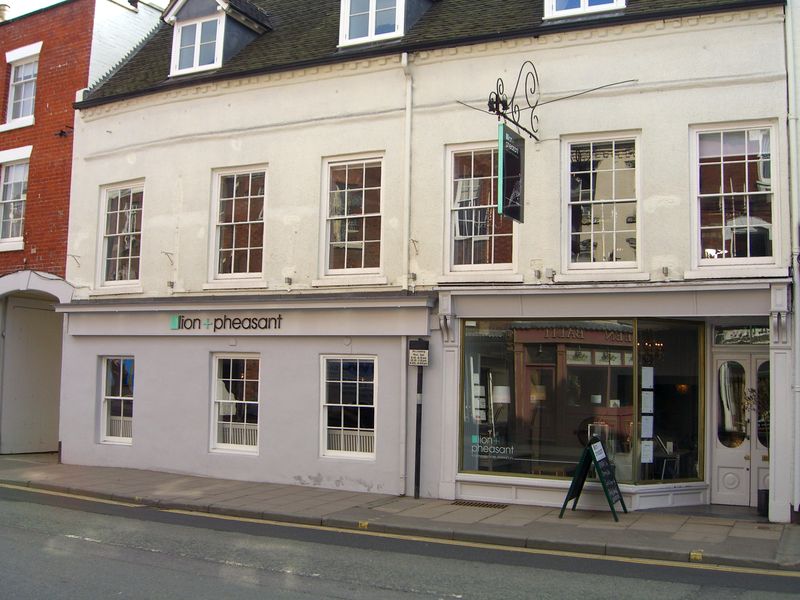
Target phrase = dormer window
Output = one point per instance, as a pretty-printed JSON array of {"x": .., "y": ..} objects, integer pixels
[
  {"x": 196, "y": 45},
  {"x": 370, "y": 20},
  {"x": 568, "y": 8}
]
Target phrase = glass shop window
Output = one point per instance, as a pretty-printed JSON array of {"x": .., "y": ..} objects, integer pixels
[{"x": 536, "y": 391}]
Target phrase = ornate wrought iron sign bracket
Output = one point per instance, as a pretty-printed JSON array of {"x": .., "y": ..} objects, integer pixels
[{"x": 511, "y": 109}]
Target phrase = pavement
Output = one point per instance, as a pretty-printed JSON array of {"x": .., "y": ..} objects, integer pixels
[{"x": 707, "y": 535}]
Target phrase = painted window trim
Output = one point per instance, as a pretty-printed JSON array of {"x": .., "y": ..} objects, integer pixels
[
  {"x": 176, "y": 40},
  {"x": 14, "y": 58},
  {"x": 104, "y": 437},
  {"x": 724, "y": 265},
  {"x": 7, "y": 158},
  {"x": 344, "y": 24},
  {"x": 219, "y": 447},
  {"x": 217, "y": 280},
  {"x": 341, "y": 454},
  {"x": 122, "y": 286},
  {"x": 601, "y": 269},
  {"x": 367, "y": 275},
  {"x": 550, "y": 11},
  {"x": 461, "y": 272}
]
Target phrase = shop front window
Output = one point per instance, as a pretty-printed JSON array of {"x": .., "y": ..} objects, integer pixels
[{"x": 536, "y": 391}]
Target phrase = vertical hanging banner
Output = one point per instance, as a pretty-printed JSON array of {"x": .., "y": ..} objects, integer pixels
[{"x": 510, "y": 173}]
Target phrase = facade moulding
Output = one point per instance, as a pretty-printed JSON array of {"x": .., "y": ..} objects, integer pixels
[
  {"x": 580, "y": 37},
  {"x": 169, "y": 96}
]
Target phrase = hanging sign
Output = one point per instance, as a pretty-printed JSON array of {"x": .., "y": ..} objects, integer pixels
[
  {"x": 510, "y": 172},
  {"x": 595, "y": 454}
]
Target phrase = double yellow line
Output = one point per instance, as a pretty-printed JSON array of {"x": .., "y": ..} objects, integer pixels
[{"x": 364, "y": 531}]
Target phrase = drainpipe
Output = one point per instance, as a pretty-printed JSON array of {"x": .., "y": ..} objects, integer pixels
[
  {"x": 794, "y": 209},
  {"x": 407, "y": 171}
]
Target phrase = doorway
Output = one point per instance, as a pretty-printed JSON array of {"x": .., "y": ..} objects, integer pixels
[{"x": 740, "y": 421}]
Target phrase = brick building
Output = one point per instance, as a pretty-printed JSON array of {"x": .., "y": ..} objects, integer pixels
[{"x": 49, "y": 55}]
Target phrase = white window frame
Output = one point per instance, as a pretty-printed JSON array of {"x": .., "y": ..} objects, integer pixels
[
  {"x": 136, "y": 185},
  {"x": 176, "y": 45},
  {"x": 324, "y": 451},
  {"x": 125, "y": 422},
  {"x": 356, "y": 272},
  {"x": 344, "y": 24},
  {"x": 449, "y": 242},
  {"x": 215, "y": 444},
  {"x": 601, "y": 266},
  {"x": 16, "y": 58},
  {"x": 734, "y": 265},
  {"x": 551, "y": 12},
  {"x": 14, "y": 156},
  {"x": 214, "y": 274}
]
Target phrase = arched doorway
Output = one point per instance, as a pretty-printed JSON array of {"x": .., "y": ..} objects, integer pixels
[{"x": 30, "y": 361}]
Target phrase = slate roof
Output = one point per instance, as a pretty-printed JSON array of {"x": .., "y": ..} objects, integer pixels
[{"x": 306, "y": 33}]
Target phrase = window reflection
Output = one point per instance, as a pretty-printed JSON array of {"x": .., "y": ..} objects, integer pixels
[{"x": 535, "y": 391}]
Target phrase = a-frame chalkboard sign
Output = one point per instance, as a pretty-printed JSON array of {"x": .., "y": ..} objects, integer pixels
[{"x": 595, "y": 453}]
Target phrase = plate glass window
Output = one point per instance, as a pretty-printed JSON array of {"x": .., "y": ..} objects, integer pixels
[
  {"x": 23, "y": 89},
  {"x": 354, "y": 216},
  {"x": 602, "y": 202},
  {"x": 735, "y": 197},
  {"x": 480, "y": 236},
  {"x": 123, "y": 234},
  {"x": 240, "y": 223},
  {"x": 349, "y": 405},
  {"x": 118, "y": 398},
  {"x": 236, "y": 397},
  {"x": 14, "y": 186}
]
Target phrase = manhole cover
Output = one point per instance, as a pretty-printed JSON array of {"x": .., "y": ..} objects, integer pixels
[{"x": 479, "y": 504}]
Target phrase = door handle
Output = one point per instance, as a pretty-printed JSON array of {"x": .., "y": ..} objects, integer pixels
[{"x": 747, "y": 457}]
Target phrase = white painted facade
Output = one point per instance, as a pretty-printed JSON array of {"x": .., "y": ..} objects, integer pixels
[
  {"x": 681, "y": 75},
  {"x": 118, "y": 28}
]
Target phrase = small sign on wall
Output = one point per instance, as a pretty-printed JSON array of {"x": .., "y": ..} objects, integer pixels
[{"x": 418, "y": 353}]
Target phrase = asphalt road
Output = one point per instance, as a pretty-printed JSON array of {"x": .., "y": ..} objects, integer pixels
[{"x": 54, "y": 547}]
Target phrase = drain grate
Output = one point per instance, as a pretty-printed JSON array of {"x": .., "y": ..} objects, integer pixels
[{"x": 477, "y": 504}]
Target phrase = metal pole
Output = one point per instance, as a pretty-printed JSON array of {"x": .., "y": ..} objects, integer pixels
[{"x": 418, "y": 445}]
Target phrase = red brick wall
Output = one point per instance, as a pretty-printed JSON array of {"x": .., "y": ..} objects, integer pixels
[{"x": 66, "y": 33}]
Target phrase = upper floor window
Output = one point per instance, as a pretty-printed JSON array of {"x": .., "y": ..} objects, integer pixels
[
  {"x": 123, "y": 233},
  {"x": 367, "y": 20},
  {"x": 354, "y": 216},
  {"x": 565, "y": 8},
  {"x": 735, "y": 201},
  {"x": 24, "y": 68},
  {"x": 602, "y": 205},
  {"x": 480, "y": 237},
  {"x": 196, "y": 45},
  {"x": 240, "y": 224}
]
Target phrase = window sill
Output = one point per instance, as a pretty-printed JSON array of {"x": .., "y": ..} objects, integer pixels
[
  {"x": 194, "y": 70},
  {"x": 134, "y": 288},
  {"x": 237, "y": 450},
  {"x": 349, "y": 280},
  {"x": 350, "y": 456},
  {"x": 482, "y": 277},
  {"x": 580, "y": 277},
  {"x": 17, "y": 124},
  {"x": 117, "y": 442},
  {"x": 347, "y": 43},
  {"x": 234, "y": 284},
  {"x": 11, "y": 245},
  {"x": 736, "y": 272}
]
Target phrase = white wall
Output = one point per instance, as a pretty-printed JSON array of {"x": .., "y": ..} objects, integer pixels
[
  {"x": 719, "y": 69},
  {"x": 118, "y": 28}
]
